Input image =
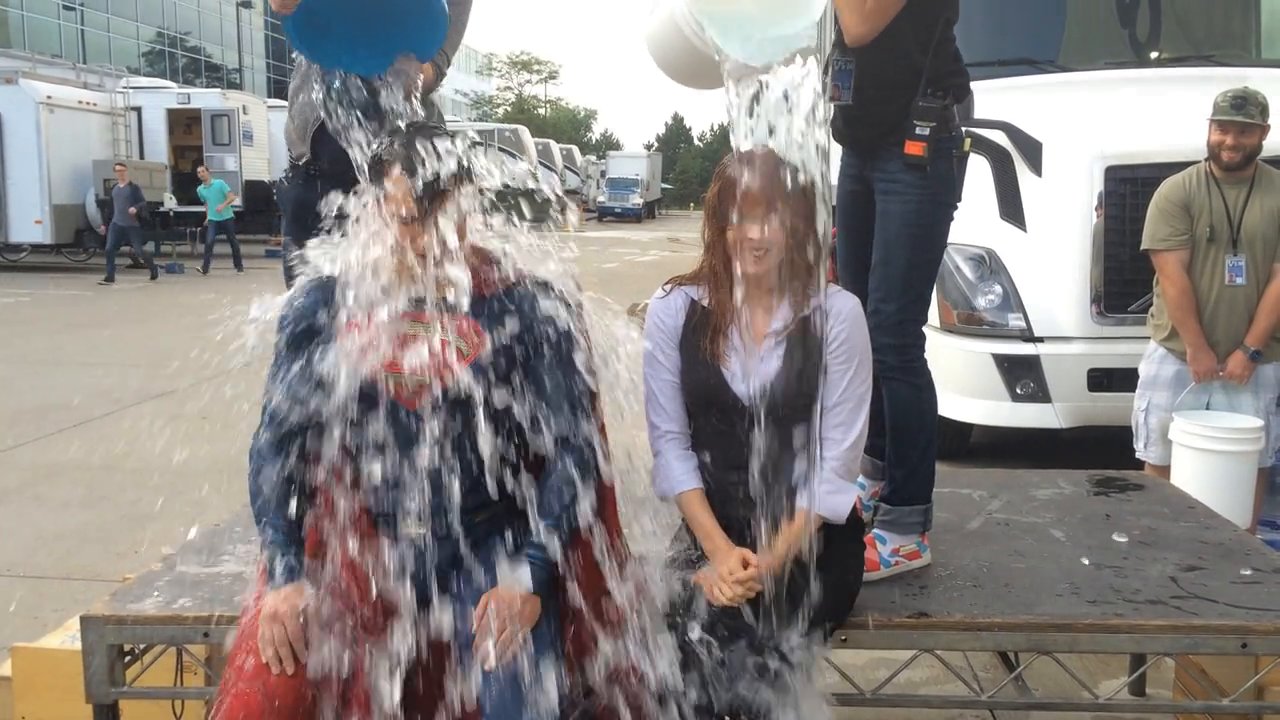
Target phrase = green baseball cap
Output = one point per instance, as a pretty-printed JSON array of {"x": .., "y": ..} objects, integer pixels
[{"x": 1242, "y": 104}]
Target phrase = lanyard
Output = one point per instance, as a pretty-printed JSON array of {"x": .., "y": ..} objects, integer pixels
[{"x": 1234, "y": 225}]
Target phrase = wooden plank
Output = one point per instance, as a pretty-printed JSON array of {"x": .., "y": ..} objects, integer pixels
[
  {"x": 204, "y": 583},
  {"x": 1033, "y": 551}
]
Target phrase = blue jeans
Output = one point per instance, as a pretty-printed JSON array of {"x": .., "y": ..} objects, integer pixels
[
  {"x": 116, "y": 237},
  {"x": 512, "y": 691},
  {"x": 228, "y": 228},
  {"x": 893, "y": 220}
]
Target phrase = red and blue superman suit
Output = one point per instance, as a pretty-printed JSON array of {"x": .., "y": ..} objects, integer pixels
[{"x": 322, "y": 517}]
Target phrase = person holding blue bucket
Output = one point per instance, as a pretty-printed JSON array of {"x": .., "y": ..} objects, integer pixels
[
  {"x": 1213, "y": 234},
  {"x": 350, "y": 50}
]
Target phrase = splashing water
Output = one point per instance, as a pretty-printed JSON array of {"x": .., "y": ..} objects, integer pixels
[
  {"x": 1120, "y": 537},
  {"x": 399, "y": 399}
]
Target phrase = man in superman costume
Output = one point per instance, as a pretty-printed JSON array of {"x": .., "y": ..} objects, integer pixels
[{"x": 390, "y": 587}]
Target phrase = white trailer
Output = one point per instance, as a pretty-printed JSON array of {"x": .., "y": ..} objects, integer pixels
[
  {"x": 571, "y": 158},
  {"x": 53, "y": 132},
  {"x": 277, "y": 148},
  {"x": 592, "y": 181},
  {"x": 632, "y": 186},
  {"x": 550, "y": 166},
  {"x": 224, "y": 130},
  {"x": 511, "y": 151}
]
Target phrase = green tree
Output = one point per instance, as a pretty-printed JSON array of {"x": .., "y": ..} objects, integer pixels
[
  {"x": 602, "y": 144},
  {"x": 522, "y": 96}
]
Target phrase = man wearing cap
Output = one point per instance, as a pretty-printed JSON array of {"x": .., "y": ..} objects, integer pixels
[{"x": 1212, "y": 232}]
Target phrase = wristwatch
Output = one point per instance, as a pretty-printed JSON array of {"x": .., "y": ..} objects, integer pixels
[{"x": 1253, "y": 353}]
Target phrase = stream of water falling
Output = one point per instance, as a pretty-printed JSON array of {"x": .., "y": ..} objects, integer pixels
[{"x": 374, "y": 281}]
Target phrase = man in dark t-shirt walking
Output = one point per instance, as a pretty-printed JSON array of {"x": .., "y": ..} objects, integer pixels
[{"x": 127, "y": 202}]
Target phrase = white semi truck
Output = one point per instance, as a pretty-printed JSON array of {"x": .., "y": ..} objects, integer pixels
[
  {"x": 632, "y": 186},
  {"x": 1039, "y": 317}
]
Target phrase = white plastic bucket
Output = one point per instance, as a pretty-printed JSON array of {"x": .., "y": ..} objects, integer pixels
[{"x": 1215, "y": 460}]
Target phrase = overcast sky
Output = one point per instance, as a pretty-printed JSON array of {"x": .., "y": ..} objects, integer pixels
[{"x": 600, "y": 47}]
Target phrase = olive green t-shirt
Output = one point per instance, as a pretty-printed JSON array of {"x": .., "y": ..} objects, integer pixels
[{"x": 1181, "y": 213}]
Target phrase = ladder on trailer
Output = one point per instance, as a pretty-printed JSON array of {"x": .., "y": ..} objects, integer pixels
[{"x": 121, "y": 122}]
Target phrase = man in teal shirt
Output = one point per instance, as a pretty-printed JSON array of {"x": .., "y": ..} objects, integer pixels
[{"x": 217, "y": 198}]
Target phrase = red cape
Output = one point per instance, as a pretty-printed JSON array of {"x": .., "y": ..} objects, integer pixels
[{"x": 248, "y": 690}]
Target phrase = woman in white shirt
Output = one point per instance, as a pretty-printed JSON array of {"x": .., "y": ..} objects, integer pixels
[{"x": 757, "y": 389}]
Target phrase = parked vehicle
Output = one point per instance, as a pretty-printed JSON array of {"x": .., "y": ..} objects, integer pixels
[
  {"x": 571, "y": 158},
  {"x": 592, "y": 181},
  {"x": 632, "y": 186},
  {"x": 52, "y": 130},
  {"x": 228, "y": 131},
  {"x": 510, "y": 149}
]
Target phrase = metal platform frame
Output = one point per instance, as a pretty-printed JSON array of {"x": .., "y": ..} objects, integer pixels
[
  {"x": 1019, "y": 651},
  {"x": 116, "y": 651}
]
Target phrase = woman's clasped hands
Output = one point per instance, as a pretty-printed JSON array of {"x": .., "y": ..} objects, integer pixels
[{"x": 731, "y": 578}]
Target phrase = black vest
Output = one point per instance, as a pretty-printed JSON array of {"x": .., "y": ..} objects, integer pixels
[{"x": 774, "y": 428}]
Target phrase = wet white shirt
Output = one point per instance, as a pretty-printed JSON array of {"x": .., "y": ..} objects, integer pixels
[{"x": 845, "y": 396}]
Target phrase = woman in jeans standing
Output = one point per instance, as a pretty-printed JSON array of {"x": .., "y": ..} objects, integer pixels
[{"x": 896, "y": 79}]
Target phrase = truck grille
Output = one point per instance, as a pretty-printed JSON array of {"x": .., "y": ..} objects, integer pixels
[
  {"x": 618, "y": 198},
  {"x": 1126, "y": 271}
]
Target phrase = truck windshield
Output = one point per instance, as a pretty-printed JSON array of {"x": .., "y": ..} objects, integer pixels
[
  {"x": 1005, "y": 38},
  {"x": 622, "y": 184}
]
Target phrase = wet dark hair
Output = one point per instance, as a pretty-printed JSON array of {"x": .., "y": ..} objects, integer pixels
[{"x": 417, "y": 151}]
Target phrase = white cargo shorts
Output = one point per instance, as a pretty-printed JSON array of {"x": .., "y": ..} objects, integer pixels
[{"x": 1163, "y": 378}]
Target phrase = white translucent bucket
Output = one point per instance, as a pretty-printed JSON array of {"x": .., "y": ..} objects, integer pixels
[{"x": 1215, "y": 460}]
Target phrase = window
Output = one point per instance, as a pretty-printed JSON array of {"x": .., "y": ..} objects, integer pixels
[
  {"x": 125, "y": 54},
  {"x": 43, "y": 8},
  {"x": 210, "y": 29},
  {"x": 43, "y": 36},
  {"x": 1092, "y": 34},
  {"x": 124, "y": 28},
  {"x": 188, "y": 21},
  {"x": 220, "y": 130},
  {"x": 151, "y": 13},
  {"x": 11, "y": 30},
  {"x": 127, "y": 9},
  {"x": 88, "y": 18},
  {"x": 97, "y": 48}
]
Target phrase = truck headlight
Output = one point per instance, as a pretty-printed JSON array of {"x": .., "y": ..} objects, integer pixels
[{"x": 976, "y": 295}]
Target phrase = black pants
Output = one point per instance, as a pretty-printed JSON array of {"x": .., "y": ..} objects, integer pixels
[
  {"x": 327, "y": 170},
  {"x": 741, "y": 668}
]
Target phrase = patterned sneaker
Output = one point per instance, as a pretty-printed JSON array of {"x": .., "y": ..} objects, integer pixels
[
  {"x": 869, "y": 492},
  {"x": 884, "y": 559}
]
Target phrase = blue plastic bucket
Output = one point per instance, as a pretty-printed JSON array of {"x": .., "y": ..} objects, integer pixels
[{"x": 366, "y": 38}]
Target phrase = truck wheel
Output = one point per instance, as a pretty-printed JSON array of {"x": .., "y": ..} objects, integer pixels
[
  {"x": 78, "y": 254},
  {"x": 953, "y": 438},
  {"x": 14, "y": 253}
]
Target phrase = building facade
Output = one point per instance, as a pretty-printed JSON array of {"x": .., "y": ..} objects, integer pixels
[
  {"x": 469, "y": 75},
  {"x": 231, "y": 44}
]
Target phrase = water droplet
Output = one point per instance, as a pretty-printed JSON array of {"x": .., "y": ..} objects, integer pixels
[
  {"x": 1246, "y": 571},
  {"x": 1084, "y": 561},
  {"x": 1119, "y": 537}
]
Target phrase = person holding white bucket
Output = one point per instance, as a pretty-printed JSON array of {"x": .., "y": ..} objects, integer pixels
[{"x": 1213, "y": 234}]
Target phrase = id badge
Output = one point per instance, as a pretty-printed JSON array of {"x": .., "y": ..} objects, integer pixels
[
  {"x": 841, "y": 90},
  {"x": 1237, "y": 271}
]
